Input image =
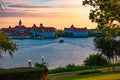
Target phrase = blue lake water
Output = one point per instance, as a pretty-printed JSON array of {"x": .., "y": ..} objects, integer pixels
[{"x": 73, "y": 50}]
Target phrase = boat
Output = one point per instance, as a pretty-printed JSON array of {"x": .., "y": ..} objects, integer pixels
[{"x": 61, "y": 41}]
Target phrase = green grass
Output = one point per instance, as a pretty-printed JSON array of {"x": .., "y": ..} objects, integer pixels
[
  {"x": 93, "y": 76},
  {"x": 69, "y": 68}
]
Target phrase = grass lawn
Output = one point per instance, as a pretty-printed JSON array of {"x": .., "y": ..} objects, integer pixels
[{"x": 94, "y": 76}]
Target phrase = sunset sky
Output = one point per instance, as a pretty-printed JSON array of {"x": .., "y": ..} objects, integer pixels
[{"x": 52, "y": 13}]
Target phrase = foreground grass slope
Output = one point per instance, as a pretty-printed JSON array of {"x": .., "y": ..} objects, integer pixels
[
  {"x": 93, "y": 76},
  {"x": 103, "y": 77}
]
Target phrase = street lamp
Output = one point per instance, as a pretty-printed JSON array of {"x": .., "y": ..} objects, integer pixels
[
  {"x": 94, "y": 62},
  {"x": 29, "y": 62},
  {"x": 42, "y": 59}
]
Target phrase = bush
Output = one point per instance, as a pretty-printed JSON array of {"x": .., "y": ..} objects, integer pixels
[
  {"x": 38, "y": 65},
  {"x": 96, "y": 60},
  {"x": 22, "y": 74},
  {"x": 118, "y": 63}
]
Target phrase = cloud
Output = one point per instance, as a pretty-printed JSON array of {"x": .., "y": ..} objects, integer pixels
[
  {"x": 32, "y": 13},
  {"x": 40, "y": 6},
  {"x": 43, "y": 3},
  {"x": 47, "y": 8},
  {"x": 14, "y": 2},
  {"x": 27, "y": 6},
  {"x": 64, "y": 3}
]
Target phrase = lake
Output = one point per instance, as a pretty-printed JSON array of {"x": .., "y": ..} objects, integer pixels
[{"x": 71, "y": 51}]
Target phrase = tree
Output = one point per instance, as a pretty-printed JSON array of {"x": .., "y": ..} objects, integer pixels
[
  {"x": 105, "y": 11},
  {"x": 110, "y": 48},
  {"x": 96, "y": 60},
  {"x": 106, "y": 14},
  {"x": 6, "y": 44},
  {"x": 59, "y": 33}
]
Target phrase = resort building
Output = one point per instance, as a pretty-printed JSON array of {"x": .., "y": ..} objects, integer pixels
[
  {"x": 43, "y": 32},
  {"x": 9, "y": 30},
  {"x": 76, "y": 32},
  {"x": 21, "y": 31}
]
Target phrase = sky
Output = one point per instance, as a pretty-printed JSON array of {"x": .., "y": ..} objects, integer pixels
[{"x": 51, "y": 13}]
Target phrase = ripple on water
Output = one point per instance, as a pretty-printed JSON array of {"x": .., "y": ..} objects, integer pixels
[{"x": 73, "y": 50}]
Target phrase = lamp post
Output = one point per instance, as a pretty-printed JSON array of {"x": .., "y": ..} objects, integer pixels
[
  {"x": 29, "y": 62},
  {"x": 94, "y": 62},
  {"x": 42, "y": 59}
]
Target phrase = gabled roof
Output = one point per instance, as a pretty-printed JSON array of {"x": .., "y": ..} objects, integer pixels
[
  {"x": 21, "y": 27},
  {"x": 74, "y": 29},
  {"x": 49, "y": 28},
  {"x": 34, "y": 27},
  {"x": 79, "y": 29},
  {"x": 67, "y": 28},
  {"x": 8, "y": 29}
]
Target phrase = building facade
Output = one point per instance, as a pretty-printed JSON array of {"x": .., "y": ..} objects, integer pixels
[
  {"x": 76, "y": 32},
  {"x": 43, "y": 32}
]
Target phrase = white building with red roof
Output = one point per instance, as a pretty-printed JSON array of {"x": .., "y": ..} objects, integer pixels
[
  {"x": 9, "y": 30},
  {"x": 19, "y": 31},
  {"x": 77, "y": 32},
  {"x": 20, "y": 28},
  {"x": 42, "y": 32}
]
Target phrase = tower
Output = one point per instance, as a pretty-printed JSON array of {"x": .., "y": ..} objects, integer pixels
[
  {"x": 41, "y": 25},
  {"x": 20, "y": 23},
  {"x": 72, "y": 26}
]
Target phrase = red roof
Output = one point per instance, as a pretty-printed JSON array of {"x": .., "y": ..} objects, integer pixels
[
  {"x": 9, "y": 29},
  {"x": 79, "y": 29},
  {"x": 49, "y": 29},
  {"x": 67, "y": 28},
  {"x": 43, "y": 28},
  {"x": 35, "y": 27},
  {"x": 76, "y": 29},
  {"x": 20, "y": 27}
]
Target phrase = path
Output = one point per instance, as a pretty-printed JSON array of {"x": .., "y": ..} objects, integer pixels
[{"x": 62, "y": 75}]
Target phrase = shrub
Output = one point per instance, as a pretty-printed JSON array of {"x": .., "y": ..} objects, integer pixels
[
  {"x": 22, "y": 74},
  {"x": 118, "y": 63},
  {"x": 38, "y": 65}
]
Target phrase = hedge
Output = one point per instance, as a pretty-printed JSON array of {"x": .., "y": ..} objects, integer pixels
[{"x": 22, "y": 74}]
